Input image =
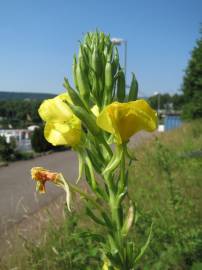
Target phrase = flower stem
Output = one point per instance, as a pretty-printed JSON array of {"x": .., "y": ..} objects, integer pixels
[{"x": 85, "y": 195}]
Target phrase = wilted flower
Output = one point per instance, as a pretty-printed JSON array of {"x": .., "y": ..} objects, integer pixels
[
  {"x": 42, "y": 175},
  {"x": 125, "y": 119}
]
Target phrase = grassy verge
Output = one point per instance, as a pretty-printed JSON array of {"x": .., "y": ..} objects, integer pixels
[
  {"x": 166, "y": 183},
  {"x": 166, "y": 186}
]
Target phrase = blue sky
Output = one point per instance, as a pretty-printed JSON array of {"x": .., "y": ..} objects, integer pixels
[{"x": 39, "y": 37}]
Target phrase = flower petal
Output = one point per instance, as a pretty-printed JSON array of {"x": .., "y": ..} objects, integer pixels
[
  {"x": 62, "y": 134},
  {"x": 40, "y": 187},
  {"x": 95, "y": 110},
  {"x": 55, "y": 109},
  {"x": 41, "y": 176}
]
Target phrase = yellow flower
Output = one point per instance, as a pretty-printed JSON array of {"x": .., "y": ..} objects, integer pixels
[
  {"x": 41, "y": 176},
  {"x": 62, "y": 126},
  {"x": 125, "y": 119}
]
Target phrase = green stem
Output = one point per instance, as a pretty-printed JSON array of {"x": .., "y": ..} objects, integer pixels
[
  {"x": 90, "y": 166},
  {"x": 122, "y": 180},
  {"x": 85, "y": 195},
  {"x": 107, "y": 147}
]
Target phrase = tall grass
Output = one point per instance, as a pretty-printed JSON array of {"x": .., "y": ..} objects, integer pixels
[
  {"x": 166, "y": 183},
  {"x": 166, "y": 187}
]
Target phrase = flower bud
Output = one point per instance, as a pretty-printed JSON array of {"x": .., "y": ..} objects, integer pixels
[{"x": 133, "y": 89}]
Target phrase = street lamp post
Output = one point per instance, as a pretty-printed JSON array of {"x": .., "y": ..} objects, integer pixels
[{"x": 119, "y": 41}]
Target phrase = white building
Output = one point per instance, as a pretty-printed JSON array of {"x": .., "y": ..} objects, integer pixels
[
  {"x": 17, "y": 134},
  {"x": 22, "y": 137}
]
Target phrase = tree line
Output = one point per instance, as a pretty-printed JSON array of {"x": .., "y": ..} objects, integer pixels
[{"x": 19, "y": 113}]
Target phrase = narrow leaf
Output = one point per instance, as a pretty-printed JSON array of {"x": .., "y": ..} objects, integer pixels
[{"x": 143, "y": 249}]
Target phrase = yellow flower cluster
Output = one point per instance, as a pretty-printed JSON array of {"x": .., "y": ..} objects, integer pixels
[{"x": 120, "y": 119}]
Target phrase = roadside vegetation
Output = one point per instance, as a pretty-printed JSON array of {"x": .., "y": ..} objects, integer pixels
[
  {"x": 166, "y": 186},
  {"x": 9, "y": 152}
]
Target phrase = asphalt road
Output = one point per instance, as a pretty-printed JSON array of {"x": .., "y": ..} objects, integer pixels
[
  {"x": 18, "y": 198},
  {"x": 17, "y": 190}
]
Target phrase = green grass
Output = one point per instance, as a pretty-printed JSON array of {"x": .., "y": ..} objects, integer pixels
[{"x": 166, "y": 186}]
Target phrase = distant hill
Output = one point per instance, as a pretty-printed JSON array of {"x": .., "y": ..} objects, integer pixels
[{"x": 24, "y": 95}]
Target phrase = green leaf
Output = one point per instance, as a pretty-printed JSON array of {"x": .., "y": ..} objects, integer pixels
[
  {"x": 115, "y": 160},
  {"x": 143, "y": 249},
  {"x": 90, "y": 213}
]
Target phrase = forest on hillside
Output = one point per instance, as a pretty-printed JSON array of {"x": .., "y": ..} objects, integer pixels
[{"x": 23, "y": 95}]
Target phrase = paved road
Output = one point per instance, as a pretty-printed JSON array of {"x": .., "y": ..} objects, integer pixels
[{"x": 17, "y": 191}]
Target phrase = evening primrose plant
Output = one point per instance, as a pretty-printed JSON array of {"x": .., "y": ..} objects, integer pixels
[{"x": 90, "y": 117}]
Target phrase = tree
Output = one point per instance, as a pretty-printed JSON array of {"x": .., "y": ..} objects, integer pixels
[
  {"x": 39, "y": 143},
  {"x": 178, "y": 101},
  {"x": 7, "y": 150},
  {"x": 165, "y": 99},
  {"x": 192, "y": 84},
  {"x": 19, "y": 113}
]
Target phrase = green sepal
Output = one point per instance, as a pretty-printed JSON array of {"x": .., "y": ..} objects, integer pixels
[
  {"x": 96, "y": 62},
  {"x": 76, "y": 99},
  {"x": 133, "y": 93},
  {"x": 83, "y": 60},
  {"x": 115, "y": 62},
  {"x": 115, "y": 160},
  {"x": 108, "y": 83},
  {"x": 81, "y": 165},
  {"x": 88, "y": 38},
  {"x": 121, "y": 86},
  {"x": 82, "y": 82},
  {"x": 90, "y": 177},
  {"x": 87, "y": 118},
  {"x": 96, "y": 89}
]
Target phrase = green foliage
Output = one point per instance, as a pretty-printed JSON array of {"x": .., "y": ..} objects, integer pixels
[
  {"x": 192, "y": 84},
  {"x": 165, "y": 184},
  {"x": 19, "y": 113},
  {"x": 67, "y": 247},
  {"x": 165, "y": 99},
  {"x": 7, "y": 150},
  {"x": 167, "y": 192},
  {"x": 23, "y": 155}
]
